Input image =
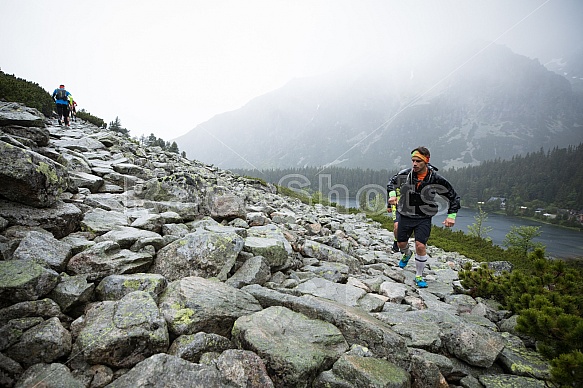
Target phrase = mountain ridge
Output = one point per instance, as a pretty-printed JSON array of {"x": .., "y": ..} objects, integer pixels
[{"x": 497, "y": 105}]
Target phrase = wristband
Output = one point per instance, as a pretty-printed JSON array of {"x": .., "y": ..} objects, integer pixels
[{"x": 452, "y": 216}]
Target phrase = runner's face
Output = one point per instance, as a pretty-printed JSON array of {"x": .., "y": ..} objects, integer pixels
[{"x": 418, "y": 164}]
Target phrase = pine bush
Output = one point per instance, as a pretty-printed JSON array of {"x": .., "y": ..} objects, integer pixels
[
  {"x": 548, "y": 300},
  {"x": 84, "y": 115}
]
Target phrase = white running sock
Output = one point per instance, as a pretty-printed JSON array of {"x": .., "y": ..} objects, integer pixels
[{"x": 420, "y": 264}]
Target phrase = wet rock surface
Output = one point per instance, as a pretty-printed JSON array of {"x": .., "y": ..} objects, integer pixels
[{"x": 129, "y": 266}]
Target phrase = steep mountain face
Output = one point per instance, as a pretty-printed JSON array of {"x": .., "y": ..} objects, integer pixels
[
  {"x": 570, "y": 66},
  {"x": 466, "y": 108}
]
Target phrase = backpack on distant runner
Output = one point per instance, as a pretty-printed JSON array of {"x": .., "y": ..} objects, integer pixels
[{"x": 62, "y": 94}]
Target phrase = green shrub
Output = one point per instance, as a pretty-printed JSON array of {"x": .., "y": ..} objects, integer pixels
[
  {"x": 568, "y": 369},
  {"x": 15, "y": 89},
  {"x": 83, "y": 115},
  {"x": 548, "y": 299}
]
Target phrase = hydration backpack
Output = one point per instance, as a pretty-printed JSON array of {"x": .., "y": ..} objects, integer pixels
[{"x": 62, "y": 94}]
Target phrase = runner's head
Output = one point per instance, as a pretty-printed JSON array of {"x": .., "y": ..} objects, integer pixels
[
  {"x": 420, "y": 158},
  {"x": 61, "y": 86}
]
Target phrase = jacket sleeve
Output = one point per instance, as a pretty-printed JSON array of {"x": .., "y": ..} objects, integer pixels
[
  {"x": 395, "y": 183},
  {"x": 451, "y": 195}
]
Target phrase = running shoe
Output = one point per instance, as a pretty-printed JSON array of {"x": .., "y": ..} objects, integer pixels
[
  {"x": 405, "y": 259},
  {"x": 421, "y": 283}
]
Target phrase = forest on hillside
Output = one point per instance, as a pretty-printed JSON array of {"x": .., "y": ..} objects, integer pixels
[{"x": 549, "y": 179}]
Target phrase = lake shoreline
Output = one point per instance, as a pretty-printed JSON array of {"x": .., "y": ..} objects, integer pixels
[
  {"x": 560, "y": 242},
  {"x": 576, "y": 229}
]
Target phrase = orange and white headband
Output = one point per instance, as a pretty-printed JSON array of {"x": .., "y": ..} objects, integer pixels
[{"x": 417, "y": 154}]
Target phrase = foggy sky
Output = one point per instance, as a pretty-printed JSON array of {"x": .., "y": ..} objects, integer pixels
[{"x": 164, "y": 67}]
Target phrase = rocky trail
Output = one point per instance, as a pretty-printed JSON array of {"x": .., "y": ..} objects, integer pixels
[{"x": 128, "y": 266}]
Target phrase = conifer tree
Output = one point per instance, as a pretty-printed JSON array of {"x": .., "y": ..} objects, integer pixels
[
  {"x": 521, "y": 239},
  {"x": 478, "y": 228},
  {"x": 174, "y": 148},
  {"x": 116, "y": 127}
]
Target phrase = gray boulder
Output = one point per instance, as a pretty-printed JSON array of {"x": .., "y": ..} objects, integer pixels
[
  {"x": 243, "y": 369},
  {"x": 107, "y": 258},
  {"x": 356, "y": 371},
  {"x": 11, "y": 331},
  {"x": 105, "y": 201},
  {"x": 122, "y": 333},
  {"x": 357, "y": 326},
  {"x": 149, "y": 222},
  {"x": 30, "y": 178},
  {"x": 178, "y": 230},
  {"x": 226, "y": 206},
  {"x": 326, "y": 253},
  {"x": 72, "y": 291},
  {"x": 519, "y": 360},
  {"x": 271, "y": 249},
  {"x": 89, "y": 181},
  {"x": 10, "y": 370},
  {"x": 13, "y": 113},
  {"x": 495, "y": 381},
  {"x": 254, "y": 270},
  {"x": 187, "y": 211},
  {"x": 342, "y": 293},
  {"x": 45, "y": 342},
  {"x": 172, "y": 188},
  {"x": 20, "y": 283},
  {"x": 115, "y": 287},
  {"x": 396, "y": 292},
  {"x": 163, "y": 370},
  {"x": 195, "y": 304},
  {"x": 40, "y": 136},
  {"x": 44, "y": 308},
  {"x": 61, "y": 219},
  {"x": 128, "y": 237},
  {"x": 201, "y": 253},
  {"x": 44, "y": 249},
  {"x": 133, "y": 170},
  {"x": 101, "y": 221},
  {"x": 294, "y": 346},
  {"x": 192, "y": 346},
  {"x": 334, "y": 272},
  {"x": 82, "y": 144},
  {"x": 74, "y": 161},
  {"x": 53, "y": 375},
  {"x": 270, "y": 232},
  {"x": 78, "y": 241},
  {"x": 473, "y": 344}
]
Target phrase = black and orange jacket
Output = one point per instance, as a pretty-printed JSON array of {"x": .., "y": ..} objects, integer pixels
[{"x": 423, "y": 198}]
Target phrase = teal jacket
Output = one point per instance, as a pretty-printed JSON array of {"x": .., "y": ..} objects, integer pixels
[{"x": 63, "y": 102}]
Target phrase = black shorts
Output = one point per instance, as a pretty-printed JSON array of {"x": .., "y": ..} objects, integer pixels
[{"x": 420, "y": 226}]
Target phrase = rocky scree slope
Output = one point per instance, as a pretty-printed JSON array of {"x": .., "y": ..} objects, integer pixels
[{"x": 125, "y": 266}]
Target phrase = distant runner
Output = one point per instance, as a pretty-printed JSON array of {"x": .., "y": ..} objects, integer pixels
[
  {"x": 73, "y": 108},
  {"x": 61, "y": 97}
]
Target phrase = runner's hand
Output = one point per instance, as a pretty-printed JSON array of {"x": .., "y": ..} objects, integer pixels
[{"x": 449, "y": 222}]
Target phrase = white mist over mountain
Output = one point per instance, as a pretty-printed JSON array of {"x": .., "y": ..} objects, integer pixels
[{"x": 164, "y": 67}]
